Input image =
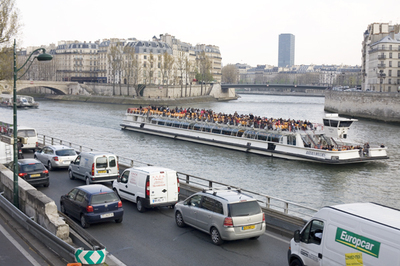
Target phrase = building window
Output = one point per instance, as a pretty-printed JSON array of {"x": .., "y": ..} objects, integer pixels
[
  {"x": 390, "y": 47},
  {"x": 390, "y": 73},
  {"x": 145, "y": 56},
  {"x": 390, "y": 63},
  {"x": 390, "y": 55},
  {"x": 390, "y": 81}
]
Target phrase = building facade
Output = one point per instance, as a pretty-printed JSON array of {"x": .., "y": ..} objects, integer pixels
[
  {"x": 286, "y": 50},
  {"x": 381, "y": 58}
]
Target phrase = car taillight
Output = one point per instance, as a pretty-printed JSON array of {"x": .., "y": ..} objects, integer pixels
[
  {"x": 263, "y": 217},
  {"x": 37, "y": 144},
  {"x": 45, "y": 171},
  {"x": 55, "y": 158},
  {"x": 118, "y": 167},
  {"x": 89, "y": 208},
  {"x": 93, "y": 169},
  {"x": 119, "y": 204},
  {"x": 148, "y": 188},
  {"x": 179, "y": 186},
  {"x": 228, "y": 222},
  {"x": 22, "y": 174}
]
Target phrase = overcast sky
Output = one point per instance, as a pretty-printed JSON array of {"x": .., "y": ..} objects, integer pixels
[{"x": 326, "y": 32}]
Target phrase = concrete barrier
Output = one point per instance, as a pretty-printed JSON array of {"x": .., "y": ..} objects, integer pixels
[{"x": 34, "y": 204}]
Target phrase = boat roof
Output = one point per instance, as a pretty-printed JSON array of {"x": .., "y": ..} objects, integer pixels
[{"x": 336, "y": 117}]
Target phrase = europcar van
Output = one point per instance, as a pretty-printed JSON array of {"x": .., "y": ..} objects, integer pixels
[
  {"x": 349, "y": 234},
  {"x": 94, "y": 167},
  {"x": 148, "y": 187}
]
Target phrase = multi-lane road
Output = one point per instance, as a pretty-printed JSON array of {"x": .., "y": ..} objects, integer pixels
[{"x": 152, "y": 238}]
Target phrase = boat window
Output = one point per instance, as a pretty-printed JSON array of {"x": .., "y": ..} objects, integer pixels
[
  {"x": 326, "y": 123},
  {"x": 345, "y": 123},
  {"x": 216, "y": 130},
  {"x": 334, "y": 123}
]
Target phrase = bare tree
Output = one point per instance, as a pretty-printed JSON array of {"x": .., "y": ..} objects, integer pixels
[
  {"x": 180, "y": 67},
  {"x": 230, "y": 74},
  {"x": 6, "y": 59},
  {"x": 167, "y": 62},
  {"x": 9, "y": 25},
  {"x": 114, "y": 57},
  {"x": 204, "y": 69}
]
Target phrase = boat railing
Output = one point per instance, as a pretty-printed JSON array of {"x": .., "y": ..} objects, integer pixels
[{"x": 266, "y": 201}]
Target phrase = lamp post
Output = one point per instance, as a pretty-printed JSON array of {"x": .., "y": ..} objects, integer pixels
[{"x": 40, "y": 57}]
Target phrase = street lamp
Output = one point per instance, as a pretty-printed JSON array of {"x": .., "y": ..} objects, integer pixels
[{"x": 40, "y": 57}]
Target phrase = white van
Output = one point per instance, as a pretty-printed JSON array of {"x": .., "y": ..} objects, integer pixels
[
  {"x": 30, "y": 136},
  {"x": 349, "y": 234},
  {"x": 94, "y": 167},
  {"x": 148, "y": 187}
]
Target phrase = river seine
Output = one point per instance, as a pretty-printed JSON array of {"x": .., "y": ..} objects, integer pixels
[{"x": 314, "y": 185}]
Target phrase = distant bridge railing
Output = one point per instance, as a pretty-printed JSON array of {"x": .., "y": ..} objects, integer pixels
[{"x": 266, "y": 201}]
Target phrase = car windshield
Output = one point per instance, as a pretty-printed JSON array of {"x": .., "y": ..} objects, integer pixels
[
  {"x": 101, "y": 162},
  {"x": 66, "y": 152},
  {"x": 26, "y": 168},
  {"x": 104, "y": 198},
  {"x": 244, "y": 208}
]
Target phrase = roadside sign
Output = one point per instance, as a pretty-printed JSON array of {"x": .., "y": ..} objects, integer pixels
[{"x": 90, "y": 256}]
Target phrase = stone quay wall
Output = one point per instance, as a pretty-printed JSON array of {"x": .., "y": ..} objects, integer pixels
[{"x": 372, "y": 105}]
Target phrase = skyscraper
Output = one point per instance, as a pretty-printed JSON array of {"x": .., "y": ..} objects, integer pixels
[{"x": 286, "y": 50}]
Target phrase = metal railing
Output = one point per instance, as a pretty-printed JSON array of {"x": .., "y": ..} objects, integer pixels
[{"x": 270, "y": 202}]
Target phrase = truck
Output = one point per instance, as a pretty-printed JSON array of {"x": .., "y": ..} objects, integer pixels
[{"x": 348, "y": 234}]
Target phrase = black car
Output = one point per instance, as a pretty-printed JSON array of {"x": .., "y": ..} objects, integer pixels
[
  {"x": 92, "y": 204},
  {"x": 32, "y": 171}
]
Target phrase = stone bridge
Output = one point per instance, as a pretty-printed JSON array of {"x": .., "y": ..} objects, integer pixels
[{"x": 56, "y": 86}]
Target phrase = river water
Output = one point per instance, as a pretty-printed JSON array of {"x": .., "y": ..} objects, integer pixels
[{"x": 314, "y": 185}]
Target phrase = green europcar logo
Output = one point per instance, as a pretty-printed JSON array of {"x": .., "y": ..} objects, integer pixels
[{"x": 358, "y": 242}]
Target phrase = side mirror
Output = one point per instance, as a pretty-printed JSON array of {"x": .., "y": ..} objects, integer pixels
[{"x": 296, "y": 236}]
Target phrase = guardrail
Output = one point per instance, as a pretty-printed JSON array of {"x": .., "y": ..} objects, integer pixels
[
  {"x": 60, "y": 247},
  {"x": 269, "y": 202}
]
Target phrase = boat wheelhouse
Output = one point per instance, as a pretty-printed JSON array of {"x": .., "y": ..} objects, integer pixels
[{"x": 324, "y": 143}]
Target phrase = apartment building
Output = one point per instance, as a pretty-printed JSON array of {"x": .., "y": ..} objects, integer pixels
[
  {"x": 122, "y": 60},
  {"x": 381, "y": 58}
]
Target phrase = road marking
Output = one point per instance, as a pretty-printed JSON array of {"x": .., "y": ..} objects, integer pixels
[
  {"x": 278, "y": 238},
  {"x": 19, "y": 247}
]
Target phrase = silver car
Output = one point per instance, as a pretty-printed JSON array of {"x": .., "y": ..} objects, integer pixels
[
  {"x": 56, "y": 156},
  {"x": 224, "y": 214}
]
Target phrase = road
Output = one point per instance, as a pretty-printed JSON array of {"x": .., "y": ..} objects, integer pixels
[{"x": 152, "y": 238}]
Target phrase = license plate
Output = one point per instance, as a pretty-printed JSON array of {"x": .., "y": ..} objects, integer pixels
[
  {"x": 158, "y": 200},
  {"x": 107, "y": 215},
  {"x": 102, "y": 171},
  {"x": 248, "y": 227},
  {"x": 35, "y": 175}
]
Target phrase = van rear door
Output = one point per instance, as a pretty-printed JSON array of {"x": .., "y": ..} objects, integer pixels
[
  {"x": 158, "y": 187},
  {"x": 172, "y": 184}
]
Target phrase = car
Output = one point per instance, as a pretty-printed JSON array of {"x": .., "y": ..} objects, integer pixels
[
  {"x": 56, "y": 156},
  {"x": 94, "y": 167},
  {"x": 92, "y": 204},
  {"x": 32, "y": 171},
  {"x": 224, "y": 214},
  {"x": 29, "y": 135}
]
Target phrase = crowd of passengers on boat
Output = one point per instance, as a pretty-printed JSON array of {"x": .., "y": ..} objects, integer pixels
[{"x": 246, "y": 120}]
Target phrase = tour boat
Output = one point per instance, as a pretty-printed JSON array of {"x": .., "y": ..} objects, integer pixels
[
  {"x": 323, "y": 143},
  {"x": 23, "y": 101}
]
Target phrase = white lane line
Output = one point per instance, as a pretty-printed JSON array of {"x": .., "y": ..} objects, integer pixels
[
  {"x": 19, "y": 247},
  {"x": 277, "y": 238}
]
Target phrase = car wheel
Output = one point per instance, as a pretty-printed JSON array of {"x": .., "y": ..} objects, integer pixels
[
  {"x": 87, "y": 181},
  {"x": 216, "y": 237},
  {"x": 296, "y": 262},
  {"x": 119, "y": 220},
  {"x": 84, "y": 223},
  {"x": 62, "y": 209},
  {"x": 179, "y": 219},
  {"x": 49, "y": 166},
  {"x": 71, "y": 175},
  {"x": 139, "y": 205}
]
